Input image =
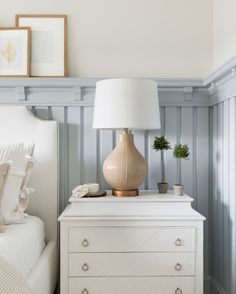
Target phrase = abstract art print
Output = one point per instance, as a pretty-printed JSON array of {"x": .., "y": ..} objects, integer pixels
[
  {"x": 48, "y": 43},
  {"x": 14, "y": 52}
]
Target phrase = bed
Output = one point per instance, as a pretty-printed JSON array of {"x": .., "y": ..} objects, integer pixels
[{"x": 31, "y": 249}]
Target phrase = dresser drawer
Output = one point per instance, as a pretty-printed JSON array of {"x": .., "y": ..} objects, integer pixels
[
  {"x": 131, "y": 239},
  {"x": 141, "y": 285},
  {"x": 131, "y": 264}
]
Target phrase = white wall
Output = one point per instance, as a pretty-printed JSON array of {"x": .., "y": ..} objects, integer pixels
[
  {"x": 224, "y": 31},
  {"x": 145, "y": 38}
]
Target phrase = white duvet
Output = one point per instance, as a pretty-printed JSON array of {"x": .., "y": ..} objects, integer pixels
[{"x": 22, "y": 244}]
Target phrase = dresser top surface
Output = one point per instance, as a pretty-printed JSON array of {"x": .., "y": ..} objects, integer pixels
[
  {"x": 144, "y": 196},
  {"x": 149, "y": 205}
]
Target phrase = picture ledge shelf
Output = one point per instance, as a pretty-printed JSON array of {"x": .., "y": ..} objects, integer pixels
[
  {"x": 72, "y": 91},
  {"x": 80, "y": 91}
]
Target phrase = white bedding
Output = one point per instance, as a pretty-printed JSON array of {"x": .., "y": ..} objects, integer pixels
[{"x": 22, "y": 244}]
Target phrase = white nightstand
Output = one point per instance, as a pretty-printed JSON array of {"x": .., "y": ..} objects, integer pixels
[{"x": 140, "y": 245}]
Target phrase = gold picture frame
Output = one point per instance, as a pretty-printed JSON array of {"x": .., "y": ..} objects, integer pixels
[
  {"x": 13, "y": 41},
  {"x": 48, "y": 43}
]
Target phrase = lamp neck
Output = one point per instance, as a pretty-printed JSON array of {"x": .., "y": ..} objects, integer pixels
[
  {"x": 125, "y": 131},
  {"x": 125, "y": 136}
]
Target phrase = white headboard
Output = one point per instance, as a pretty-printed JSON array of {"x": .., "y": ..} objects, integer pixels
[{"x": 18, "y": 124}]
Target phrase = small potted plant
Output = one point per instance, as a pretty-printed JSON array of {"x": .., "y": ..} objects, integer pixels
[
  {"x": 180, "y": 152},
  {"x": 161, "y": 144}
]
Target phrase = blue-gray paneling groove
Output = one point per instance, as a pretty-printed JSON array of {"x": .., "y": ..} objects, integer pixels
[{"x": 184, "y": 116}]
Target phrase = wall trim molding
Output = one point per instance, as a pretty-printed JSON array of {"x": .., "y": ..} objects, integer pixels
[
  {"x": 217, "y": 87},
  {"x": 90, "y": 82},
  {"x": 80, "y": 92},
  {"x": 226, "y": 69},
  {"x": 221, "y": 83}
]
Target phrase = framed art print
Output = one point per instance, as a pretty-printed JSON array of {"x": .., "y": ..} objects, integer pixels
[
  {"x": 14, "y": 52},
  {"x": 48, "y": 43}
]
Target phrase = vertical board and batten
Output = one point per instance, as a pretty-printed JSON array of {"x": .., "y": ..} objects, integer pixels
[
  {"x": 82, "y": 149},
  {"x": 222, "y": 199},
  {"x": 184, "y": 116},
  {"x": 188, "y": 115}
]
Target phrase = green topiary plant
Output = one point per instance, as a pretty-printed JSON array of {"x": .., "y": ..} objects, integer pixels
[
  {"x": 161, "y": 144},
  {"x": 181, "y": 151}
]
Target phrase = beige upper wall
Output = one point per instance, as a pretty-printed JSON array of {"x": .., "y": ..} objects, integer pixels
[
  {"x": 224, "y": 31},
  {"x": 130, "y": 38}
]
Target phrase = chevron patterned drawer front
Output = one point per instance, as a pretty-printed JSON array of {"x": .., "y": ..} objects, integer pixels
[{"x": 140, "y": 239}]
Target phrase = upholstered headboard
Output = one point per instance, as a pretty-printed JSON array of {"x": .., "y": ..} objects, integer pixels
[{"x": 18, "y": 124}]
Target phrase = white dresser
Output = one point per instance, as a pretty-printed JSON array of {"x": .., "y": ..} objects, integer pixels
[{"x": 150, "y": 244}]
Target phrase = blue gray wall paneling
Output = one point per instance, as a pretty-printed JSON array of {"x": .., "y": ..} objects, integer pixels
[{"x": 188, "y": 116}]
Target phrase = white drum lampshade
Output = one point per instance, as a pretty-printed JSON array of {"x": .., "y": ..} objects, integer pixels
[{"x": 126, "y": 104}]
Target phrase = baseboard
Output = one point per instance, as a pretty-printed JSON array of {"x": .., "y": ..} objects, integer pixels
[
  {"x": 207, "y": 284},
  {"x": 213, "y": 287}
]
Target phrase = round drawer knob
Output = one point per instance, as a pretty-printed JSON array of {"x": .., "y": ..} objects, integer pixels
[
  {"x": 178, "y": 291},
  {"x": 178, "y": 242},
  {"x": 85, "y": 291},
  {"x": 85, "y": 267},
  {"x": 178, "y": 267},
  {"x": 85, "y": 243}
]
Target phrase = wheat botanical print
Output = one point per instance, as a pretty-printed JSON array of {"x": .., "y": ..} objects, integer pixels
[{"x": 9, "y": 52}]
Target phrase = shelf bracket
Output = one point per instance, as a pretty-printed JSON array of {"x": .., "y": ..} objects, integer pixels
[
  {"x": 213, "y": 90},
  {"x": 20, "y": 92},
  {"x": 77, "y": 94},
  {"x": 233, "y": 72},
  {"x": 188, "y": 93}
]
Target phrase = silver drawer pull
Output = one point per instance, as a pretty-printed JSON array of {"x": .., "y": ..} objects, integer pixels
[
  {"x": 85, "y": 291},
  {"x": 178, "y": 267},
  {"x": 85, "y": 243},
  {"x": 85, "y": 267},
  {"x": 178, "y": 242},
  {"x": 178, "y": 291}
]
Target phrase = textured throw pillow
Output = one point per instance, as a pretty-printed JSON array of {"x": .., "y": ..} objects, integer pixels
[
  {"x": 4, "y": 168},
  {"x": 19, "y": 155}
]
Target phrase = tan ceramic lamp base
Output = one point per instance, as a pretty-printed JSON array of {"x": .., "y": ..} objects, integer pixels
[{"x": 125, "y": 169}]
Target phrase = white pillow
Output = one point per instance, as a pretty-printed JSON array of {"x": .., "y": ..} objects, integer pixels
[{"x": 19, "y": 155}]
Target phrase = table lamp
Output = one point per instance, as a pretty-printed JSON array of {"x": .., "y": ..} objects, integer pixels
[{"x": 126, "y": 104}]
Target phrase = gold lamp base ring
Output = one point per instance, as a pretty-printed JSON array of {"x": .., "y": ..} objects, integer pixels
[{"x": 125, "y": 193}]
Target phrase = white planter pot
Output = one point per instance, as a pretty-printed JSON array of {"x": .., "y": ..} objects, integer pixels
[{"x": 178, "y": 190}]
